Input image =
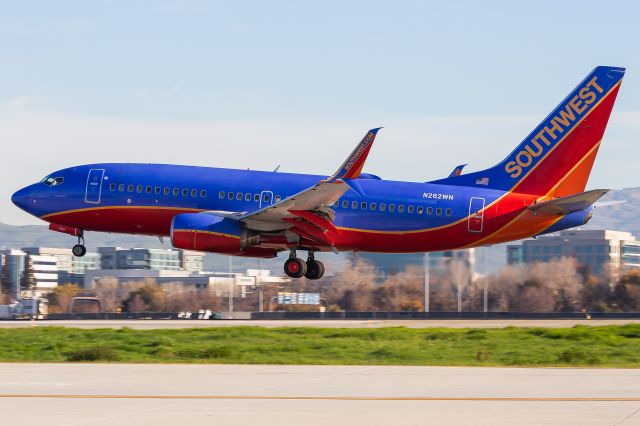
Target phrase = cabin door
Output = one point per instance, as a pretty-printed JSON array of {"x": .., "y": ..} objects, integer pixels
[
  {"x": 476, "y": 214},
  {"x": 94, "y": 186},
  {"x": 266, "y": 198}
]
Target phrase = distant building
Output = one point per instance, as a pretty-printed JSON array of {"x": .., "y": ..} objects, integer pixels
[
  {"x": 44, "y": 270},
  {"x": 152, "y": 259},
  {"x": 392, "y": 263},
  {"x": 71, "y": 269},
  {"x": 216, "y": 282},
  {"x": 15, "y": 263},
  {"x": 600, "y": 250},
  {"x": 66, "y": 261}
]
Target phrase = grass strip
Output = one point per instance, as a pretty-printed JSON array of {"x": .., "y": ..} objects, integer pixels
[{"x": 606, "y": 346}]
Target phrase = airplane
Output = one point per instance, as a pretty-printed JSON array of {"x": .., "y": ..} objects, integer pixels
[{"x": 537, "y": 189}]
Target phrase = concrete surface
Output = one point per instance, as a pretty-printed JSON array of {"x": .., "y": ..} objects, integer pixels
[
  {"x": 463, "y": 323},
  {"x": 108, "y": 394}
]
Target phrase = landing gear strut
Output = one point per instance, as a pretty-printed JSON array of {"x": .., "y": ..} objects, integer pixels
[
  {"x": 79, "y": 249},
  {"x": 296, "y": 268}
]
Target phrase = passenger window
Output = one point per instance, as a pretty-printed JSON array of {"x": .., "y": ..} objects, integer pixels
[
  {"x": 363, "y": 205},
  {"x": 239, "y": 196},
  {"x": 420, "y": 210},
  {"x": 230, "y": 195},
  {"x": 345, "y": 204},
  {"x": 185, "y": 192},
  {"x": 203, "y": 193},
  {"x": 139, "y": 189},
  {"x": 121, "y": 187},
  {"x": 112, "y": 187},
  {"x": 247, "y": 197},
  {"x": 392, "y": 208},
  {"x": 429, "y": 211},
  {"x": 221, "y": 195},
  {"x": 410, "y": 209},
  {"x": 266, "y": 198},
  {"x": 158, "y": 190},
  {"x": 354, "y": 205},
  {"x": 401, "y": 208},
  {"x": 194, "y": 193},
  {"x": 373, "y": 206},
  {"x": 383, "y": 207},
  {"x": 256, "y": 197},
  {"x": 448, "y": 212},
  {"x": 167, "y": 190},
  {"x": 439, "y": 211},
  {"x": 176, "y": 191},
  {"x": 148, "y": 190},
  {"x": 278, "y": 198}
]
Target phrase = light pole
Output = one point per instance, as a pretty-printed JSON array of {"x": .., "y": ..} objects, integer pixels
[
  {"x": 486, "y": 281},
  {"x": 261, "y": 293},
  {"x": 427, "y": 273},
  {"x": 231, "y": 284}
]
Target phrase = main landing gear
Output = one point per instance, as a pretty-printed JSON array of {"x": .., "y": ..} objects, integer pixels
[
  {"x": 297, "y": 268},
  {"x": 79, "y": 249}
]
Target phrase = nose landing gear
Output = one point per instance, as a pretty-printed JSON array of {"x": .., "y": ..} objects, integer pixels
[
  {"x": 79, "y": 249},
  {"x": 295, "y": 267}
]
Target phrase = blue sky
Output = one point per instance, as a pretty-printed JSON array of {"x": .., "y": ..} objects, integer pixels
[{"x": 257, "y": 84}]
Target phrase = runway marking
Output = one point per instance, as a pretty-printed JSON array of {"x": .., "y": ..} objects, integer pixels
[{"x": 331, "y": 398}]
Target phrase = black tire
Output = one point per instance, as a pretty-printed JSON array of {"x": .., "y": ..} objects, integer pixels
[
  {"x": 79, "y": 250},
  {"x": 315, "y": 270},
  {"x": 295, "y": 267}
]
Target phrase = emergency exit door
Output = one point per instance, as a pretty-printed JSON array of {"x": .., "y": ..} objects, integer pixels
[{"x": 476, "y": 214}]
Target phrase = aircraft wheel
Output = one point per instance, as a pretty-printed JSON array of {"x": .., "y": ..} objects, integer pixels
[
  {"x": 79, "y": 250},
  {"x": 315, "y": 270},
  {"x": 295, "y": 267}
]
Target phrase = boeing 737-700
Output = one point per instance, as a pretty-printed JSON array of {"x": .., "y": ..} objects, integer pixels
[{"x": 537, "y": 189}]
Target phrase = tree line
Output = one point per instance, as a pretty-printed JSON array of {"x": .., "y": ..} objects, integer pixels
[{"x": 556, "y": 286}]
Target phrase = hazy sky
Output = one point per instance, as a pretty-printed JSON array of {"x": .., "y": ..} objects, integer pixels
[{"x": 257, "y": 84}]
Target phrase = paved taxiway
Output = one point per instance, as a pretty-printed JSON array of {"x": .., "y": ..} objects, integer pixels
[
  {"x": 462, "y": 323},
  {"x": 125, "y": 394}
]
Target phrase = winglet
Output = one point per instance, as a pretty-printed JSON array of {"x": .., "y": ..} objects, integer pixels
[
  {"x": 352, "y": 167},
  {"x": 457, "y": 171}
]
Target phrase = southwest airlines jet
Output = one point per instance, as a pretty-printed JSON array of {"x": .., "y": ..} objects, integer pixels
[{"x": 537, "y": 189}]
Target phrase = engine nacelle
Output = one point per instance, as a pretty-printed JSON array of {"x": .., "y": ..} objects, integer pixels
[{"x": 208, "y": 232}]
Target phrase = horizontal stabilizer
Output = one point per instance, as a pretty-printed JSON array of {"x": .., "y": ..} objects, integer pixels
[{"x": 565, "y": 205}]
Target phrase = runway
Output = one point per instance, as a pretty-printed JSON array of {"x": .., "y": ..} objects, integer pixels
[
  {"x": 462, "y": 323},
  {"x": 126, "y": 394}
]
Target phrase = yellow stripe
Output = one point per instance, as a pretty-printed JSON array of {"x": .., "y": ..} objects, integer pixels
[
  {"x": 86, "y": 209},
  {"x": 333, "y": 398}
]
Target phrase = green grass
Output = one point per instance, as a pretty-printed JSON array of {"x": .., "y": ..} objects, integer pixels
[{"x": 608, "y": 346}]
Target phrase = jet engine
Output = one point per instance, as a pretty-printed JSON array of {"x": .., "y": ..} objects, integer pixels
[{"x": 212, "y": 233}]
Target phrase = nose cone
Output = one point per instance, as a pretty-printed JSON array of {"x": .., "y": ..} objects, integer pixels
[{"x": 21, "y": 198}]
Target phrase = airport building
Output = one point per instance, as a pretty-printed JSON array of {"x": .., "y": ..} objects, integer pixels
[
  {"x": 600, "y": 250},
  {"x": 21, "y": 269},
  {"x": 151, "y": 259},
  {"x": 216, "y": 282},
  {"x": 387, "y": 264}
]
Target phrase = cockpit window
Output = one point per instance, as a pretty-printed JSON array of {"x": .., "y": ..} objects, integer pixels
[{"x": 52, "y": 181}]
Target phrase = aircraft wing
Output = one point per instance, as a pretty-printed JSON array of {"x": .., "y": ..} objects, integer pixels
[
  {"x": 565, "y": 205},
  {"x": 310, "y": 211}
]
